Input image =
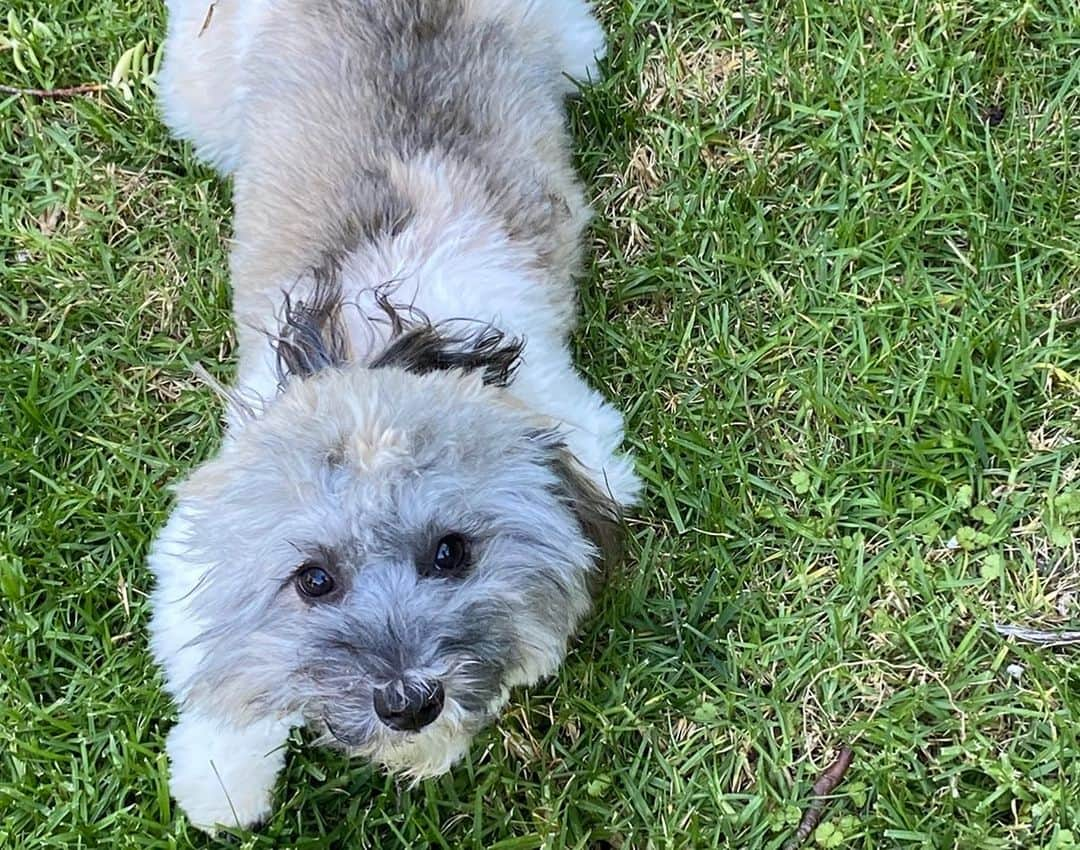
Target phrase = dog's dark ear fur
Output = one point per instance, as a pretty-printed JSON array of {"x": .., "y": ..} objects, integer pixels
[
  {"x": 312, "y": 336},
  {"x": 598, "y": 514},
  {"x": 418, "y": 346}
]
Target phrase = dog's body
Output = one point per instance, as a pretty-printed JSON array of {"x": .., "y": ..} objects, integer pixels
[{"x": 405, "y": 515}]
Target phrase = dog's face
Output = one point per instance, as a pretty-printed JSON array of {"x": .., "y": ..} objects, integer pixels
[{"x": 389, "y": 553}]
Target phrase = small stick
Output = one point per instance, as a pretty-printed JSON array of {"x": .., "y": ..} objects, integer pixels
[
  {"x": 55, "y": 94},
  {"x": 825, "y": 785}
]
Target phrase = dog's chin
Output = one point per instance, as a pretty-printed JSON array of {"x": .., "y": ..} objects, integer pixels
[
  {"x": 431, "y": 751},
  {"x": 418, "y": 755}
]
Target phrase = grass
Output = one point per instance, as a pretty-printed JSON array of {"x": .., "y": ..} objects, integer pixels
[{"x": 835, "y": 289}]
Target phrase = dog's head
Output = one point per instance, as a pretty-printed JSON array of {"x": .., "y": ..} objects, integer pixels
[{"x": 391, "y": 546}]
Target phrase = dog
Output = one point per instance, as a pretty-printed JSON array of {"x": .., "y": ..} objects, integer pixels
[{"x": 416, "y": 490}]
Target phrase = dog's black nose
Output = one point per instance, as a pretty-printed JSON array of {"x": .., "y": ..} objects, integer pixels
[{"x": 409, "y": 706}]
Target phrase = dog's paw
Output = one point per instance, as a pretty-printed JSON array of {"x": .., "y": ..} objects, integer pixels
[{"x": 223, "y": 776}]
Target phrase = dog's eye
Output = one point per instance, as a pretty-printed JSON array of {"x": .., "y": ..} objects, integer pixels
[
  {"x": 312, "y": 580},
  {"x": 451, "y": 556}
]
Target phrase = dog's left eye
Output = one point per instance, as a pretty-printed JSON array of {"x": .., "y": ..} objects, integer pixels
[
  {"x": 451, "y": 556},
  {"x": 313, "y": 581}
]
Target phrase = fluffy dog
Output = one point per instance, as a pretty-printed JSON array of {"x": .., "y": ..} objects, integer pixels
[{"x": 416, "y": 487}]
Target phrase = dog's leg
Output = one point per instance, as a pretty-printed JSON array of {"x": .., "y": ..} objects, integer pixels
[
  {"x": 200, "y": 89},
  {"x": 224, "y": 775},
  {"x": 223, "y": 770}
]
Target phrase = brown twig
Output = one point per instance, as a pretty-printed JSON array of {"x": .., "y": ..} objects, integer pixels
[
  {"x": 55, "y": 94},
  {"x": 825, "y": 785}
]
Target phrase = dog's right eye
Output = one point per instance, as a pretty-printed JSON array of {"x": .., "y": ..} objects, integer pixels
[
  {"x": 451, "y": 558},
  {"x": 313, "y": 581}
]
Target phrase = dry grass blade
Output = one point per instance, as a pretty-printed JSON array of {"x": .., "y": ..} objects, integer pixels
[
  {"x": 1038, "y": 636},
  {"x": 207, "y": 18},
  {"x": 230, "y": 396},
  {"x": 55, "y": 94}
]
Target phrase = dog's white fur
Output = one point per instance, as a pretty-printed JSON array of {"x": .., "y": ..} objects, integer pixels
[{"x": 452, "y": 261}]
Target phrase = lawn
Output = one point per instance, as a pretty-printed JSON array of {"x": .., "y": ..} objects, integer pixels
[{"x": 833, "y": 286}]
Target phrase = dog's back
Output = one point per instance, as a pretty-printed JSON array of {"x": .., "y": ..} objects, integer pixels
[{"x": 343, "y": 119}]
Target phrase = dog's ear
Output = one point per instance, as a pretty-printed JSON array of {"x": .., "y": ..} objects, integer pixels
[
  {"x": 598, "y": 514},
  {"x": 418, "y": 346},
  {"x": 312, "y": 336}
]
